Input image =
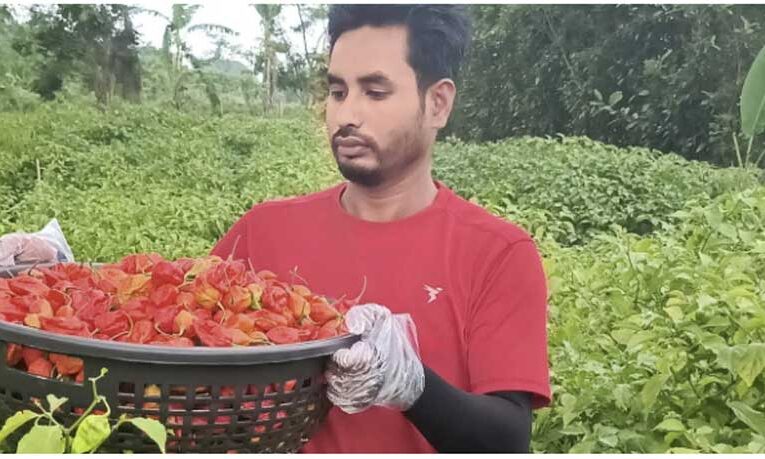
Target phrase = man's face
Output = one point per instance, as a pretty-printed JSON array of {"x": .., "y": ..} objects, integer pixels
[{"x": 374, "y": 117}]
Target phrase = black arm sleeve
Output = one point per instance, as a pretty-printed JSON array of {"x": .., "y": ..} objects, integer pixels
[{"x": 454, "y": 421}]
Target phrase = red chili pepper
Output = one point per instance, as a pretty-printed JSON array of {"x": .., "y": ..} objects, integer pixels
[
  {"x": 322, "y": 312},
  {"x": 41, "y": 367},
  {"x": 182, "y": 323},
  {"x": 65, "y": 325},
  {"x": 133, "y": 286},
  {"x": 275, "y": 299},
  {"x": 143, "y": 332},
  {"x": 65, "y": 311},
  {"x": 184, "y": 264},
  {"x": 164, "y": 296},
  {"x": 139, "y": 263},
  {"x": 242, "y": 322},
  {"x": 165, "y": 318},
  {"x": 166, "y": 273},
  {"x": 299, "y": 306},
  {"x": 112, "y": 323},
  {"x": 211, "y": 334},
  {"x": 109, "y": 279},
  {"x": 206, "y": 295},
  {"x": 139, "y": 309},
  {"x": 28, "y": 285},
  {"x": 237, "y": 299},
  {"x": 12, "y": 310},
  {"x": 89, "y": 304},
  {"x": 66, "y": 365},
  {"x": 57, "y": 299},
  {"x": 283, "y": 335}
]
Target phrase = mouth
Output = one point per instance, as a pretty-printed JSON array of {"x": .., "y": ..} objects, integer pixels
[
  {"x": 350, "y": 147},
  {"x": 351, "y": 151}
]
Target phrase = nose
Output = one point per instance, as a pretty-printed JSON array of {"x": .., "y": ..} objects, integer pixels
[{"x": 347, "y": 112}]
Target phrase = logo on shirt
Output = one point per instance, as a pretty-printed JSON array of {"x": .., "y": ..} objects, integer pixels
[{"x": 432, "y": 292}]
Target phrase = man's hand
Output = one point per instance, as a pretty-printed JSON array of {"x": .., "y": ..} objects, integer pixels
[
  {"x": 25, "y": 248},
  {"x": 382, "y": 369}
]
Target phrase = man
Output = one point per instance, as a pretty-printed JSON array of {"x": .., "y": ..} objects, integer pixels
[{"x": 472, "y": 283}]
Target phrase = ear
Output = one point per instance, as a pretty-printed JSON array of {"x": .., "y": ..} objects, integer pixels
[{"x": 440, "y": 100}]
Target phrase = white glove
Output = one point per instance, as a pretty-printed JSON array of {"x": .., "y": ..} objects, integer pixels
[
  {"x": 382, "y": 369},
  {"x": 25, "y": 248}
]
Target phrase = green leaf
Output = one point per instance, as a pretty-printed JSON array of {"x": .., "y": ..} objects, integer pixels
[
  {"x": 42, "y": 440},
  {"x": 751, "y": 364},
  {"x": 55, "y": 402},
  {"x": 717, "y": 321},
  {"x": 93, "y": 430},
  {"x": 640, "y": 338},
  {"x": 583, "y": 447},
  {"x": 608, "y": 436},
  {"x": 577, "y": 429},
  {"x": 749, "y": 416},
  {"x": 622, "y": 335},
  {"x": 615, "y": 98},
  {"x": 651, "y": 390},
  {"x": 704, "y": 301},
  {"x": 16, "y": 421},
  {"x": 753, "y": 98},
  {"x": 154, "y": 429},
  {"x": 670, "y": 425},
  {"x": 674, "y": 313}
]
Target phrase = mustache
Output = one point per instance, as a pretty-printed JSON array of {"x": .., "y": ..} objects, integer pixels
[{"x": 348, "y": 131}]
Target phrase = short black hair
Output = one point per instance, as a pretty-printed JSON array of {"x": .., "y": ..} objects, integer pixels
[{"x": 438, "y": 35}]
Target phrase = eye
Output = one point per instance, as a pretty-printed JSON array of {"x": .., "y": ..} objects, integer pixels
[
  {"x": 336, "y": 94},
  {"x": 377, "y": 94}
]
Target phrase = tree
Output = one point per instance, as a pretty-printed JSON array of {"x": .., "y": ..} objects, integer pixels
[
  {"x": 95, "y": 42},
  {"x": 177, "y": 53},
  {"x": 661, "y": 76},
  {"x": 18, "y": 67},
  {"x": 271, "y": 44},
  {"x": 307, "y": 70}
]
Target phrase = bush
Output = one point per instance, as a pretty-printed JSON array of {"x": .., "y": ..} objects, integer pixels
[
  {"x": 146, "y": 179},
  {"x": 574, "y": 188},
  {"x": 656, "y": 342}
]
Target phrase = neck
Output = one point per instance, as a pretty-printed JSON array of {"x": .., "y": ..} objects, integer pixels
[{"x": 391, "y": 201}]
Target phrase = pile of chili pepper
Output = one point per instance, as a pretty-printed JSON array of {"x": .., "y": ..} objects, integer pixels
[{"x": 146, "y": 299}]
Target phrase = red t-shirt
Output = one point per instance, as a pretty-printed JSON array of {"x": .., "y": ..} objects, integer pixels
[{"x": 472, "y": 282}]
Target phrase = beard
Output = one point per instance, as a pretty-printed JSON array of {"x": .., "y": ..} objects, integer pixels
[{"x": 407, "y": 147}]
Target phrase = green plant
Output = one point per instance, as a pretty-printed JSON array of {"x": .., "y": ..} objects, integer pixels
[
  {"x": 86, "y": 435},
  {"x": 753, "y": 108},
  {"x": 574, "y": 188},
  {"x": 656, "y": 341}
]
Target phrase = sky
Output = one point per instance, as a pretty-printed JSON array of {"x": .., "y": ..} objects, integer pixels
[{"x": 236, "y": 15}]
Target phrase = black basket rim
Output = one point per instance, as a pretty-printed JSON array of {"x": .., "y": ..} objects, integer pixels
[{"x": 150, "y": 353}]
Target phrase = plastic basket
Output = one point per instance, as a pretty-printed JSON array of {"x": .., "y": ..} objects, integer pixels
[{"x": 246, "y": 399}]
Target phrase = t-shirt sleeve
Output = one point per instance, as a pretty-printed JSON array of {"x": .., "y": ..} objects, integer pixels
[
  {"x": 234, "y": 242},
  {"x": 507, "y": 333}
]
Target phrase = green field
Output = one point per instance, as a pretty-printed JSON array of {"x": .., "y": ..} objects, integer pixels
[{"x": 656, "y": 265}]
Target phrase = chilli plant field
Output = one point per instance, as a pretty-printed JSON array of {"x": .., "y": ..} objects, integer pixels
[{"x": 656, "y": 265}]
